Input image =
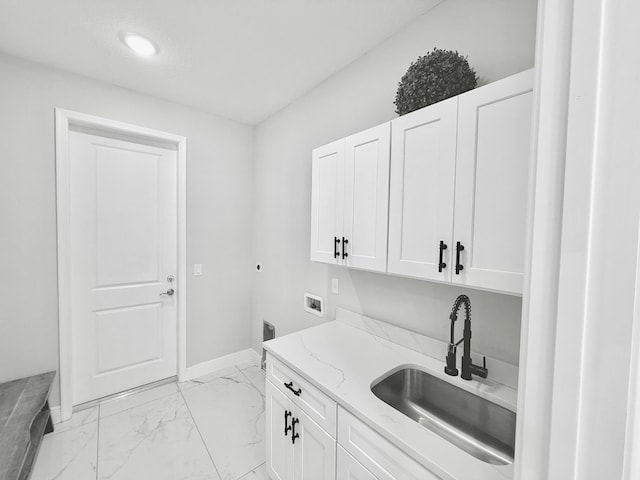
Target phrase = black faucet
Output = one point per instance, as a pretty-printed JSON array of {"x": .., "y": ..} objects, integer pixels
[{"x": 468, "y": 367}]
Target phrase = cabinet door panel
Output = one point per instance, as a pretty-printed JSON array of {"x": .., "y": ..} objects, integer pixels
[
  {"x": 279, "y": 447},
  {"x": 376, "y": 453},
  {"x": 348, "y": 468},
  {"x": 494, "y": 137},
  {"x": 423, "y": 159},
  {"x": 327, "y": 200},
  {"x": 316, "y": 404},
  {"x": 367, "y": 198},
  {"x": 315, "y": 451}
]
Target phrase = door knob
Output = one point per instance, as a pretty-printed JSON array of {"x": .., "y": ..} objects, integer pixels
[{"x": 169, "y": 292}]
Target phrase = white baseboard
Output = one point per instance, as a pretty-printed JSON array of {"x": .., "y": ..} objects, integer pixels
[
  {"x": 257, "y": 357},
  {"x": 56, "y": 415},
  {"x": 244, "y": 356}
]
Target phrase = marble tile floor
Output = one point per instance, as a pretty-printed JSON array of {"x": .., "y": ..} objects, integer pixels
[{"x": 210, "y": 428}]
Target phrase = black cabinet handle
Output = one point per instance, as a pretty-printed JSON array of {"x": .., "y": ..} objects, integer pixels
[
  {"x": 459, "y": 266},
  {"x": 336, "y": 243},
  {"x": 441, "y": 264},
  {"x": 294, "y": 435},
  {"x": 287, "y": 427},
  {"x": 344, "y": 248},
  {"x": 290, "y": 387}
]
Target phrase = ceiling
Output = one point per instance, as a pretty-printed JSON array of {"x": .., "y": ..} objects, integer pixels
[{"x": 241, "y": 59}]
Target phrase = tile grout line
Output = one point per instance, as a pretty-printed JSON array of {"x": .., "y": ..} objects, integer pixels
[
  {"x": 199, "y": 384},
  {"x": 235, "y": 369},
  {"x": 195, "y": 424},
  {"x": 213, "y": 379},
  {"x": 247, "y": 377},
  {"x": 251, "y": 471},
  {"x": 239, "y": 370},
  {"x": 55, "y": 434},
  {"x": 263, "y": 398}
]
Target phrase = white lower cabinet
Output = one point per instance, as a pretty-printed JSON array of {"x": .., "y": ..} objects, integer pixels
[
  {"x": 279, "y": 452},
  {"x": 316, "y": 404},
  {"x": 350, "y": 469},
  {"x": 297, "y": 447},
  {"x": 301, "y": 448},
  {"x": 379, "y": 456},
  {"x": 315, "y": 451}
]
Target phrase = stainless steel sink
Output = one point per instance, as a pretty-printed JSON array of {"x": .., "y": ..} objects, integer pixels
[{"x": 479, "y": 427}]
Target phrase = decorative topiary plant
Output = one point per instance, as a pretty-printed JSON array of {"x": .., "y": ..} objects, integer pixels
[{"x": 436, "y": 76}]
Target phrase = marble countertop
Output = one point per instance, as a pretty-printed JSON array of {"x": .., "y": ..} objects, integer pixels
[{"x": 344, "y": 362}]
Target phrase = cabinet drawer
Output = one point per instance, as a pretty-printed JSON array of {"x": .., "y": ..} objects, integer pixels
[
  {"x": 312, "y": 401},
  {"x": 375, "y": 453},
  {"x": 350, "y": 469}
]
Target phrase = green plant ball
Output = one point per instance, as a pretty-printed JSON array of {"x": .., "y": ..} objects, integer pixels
[{"x": 434, "y": 77}]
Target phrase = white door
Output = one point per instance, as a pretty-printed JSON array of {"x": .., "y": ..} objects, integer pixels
[
  {"x": 492, "y": 172},
  {"x": 123, "y": 246},
  {"x": 423, "y": 168},
  {"x": 315, "y": 450},
  {"x": 366, "y": 206},
  {"x": 327, "y": 202},
  {"x": 348, "y": 468},
  {"x": 279, "y": 411}
]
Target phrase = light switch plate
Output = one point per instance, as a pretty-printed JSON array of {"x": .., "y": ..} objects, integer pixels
[
  {"x": 197, "y": 269},
  {"x": 335, "y": 286}
]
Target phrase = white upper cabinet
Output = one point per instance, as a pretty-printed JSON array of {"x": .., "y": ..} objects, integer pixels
[
  {"x": 327, "y": 202},
  {"x": 366, "y": 196},
  {"x": 445, "y": 188},
  {"x": 492, "y": 173},
  {"x": 423, "y": 167},
  {"x": 350, "y": 200}
]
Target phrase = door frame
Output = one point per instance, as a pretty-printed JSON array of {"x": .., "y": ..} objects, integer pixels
[{"x": 65, "y": 120}]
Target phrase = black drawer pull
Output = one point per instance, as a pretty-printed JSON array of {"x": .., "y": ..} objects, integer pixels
[
  {"x": 336, "y": 244},
  {"x": 344, "y": 248},
  {"x": 294, "y": 435},
  {"x": 441, "y": 264},
  {"x": 290, "y": 387},
  {"x": 459, "y": 266},
  {"x": 287, "y": 427}
]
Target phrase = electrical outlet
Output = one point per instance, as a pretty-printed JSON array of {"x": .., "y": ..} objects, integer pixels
[
  {"x": 314, "y": 304},
  {"x": 197, "y": 269},
  {"x": 335, "y": 288}
]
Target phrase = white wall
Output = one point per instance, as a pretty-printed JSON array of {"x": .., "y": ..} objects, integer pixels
[
  {"x": 219, "y": 210},
  {"x": 498, "y": 36}
]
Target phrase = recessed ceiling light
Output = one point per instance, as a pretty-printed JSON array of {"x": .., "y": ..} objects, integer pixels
[{"x": 139, "y": 44}]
